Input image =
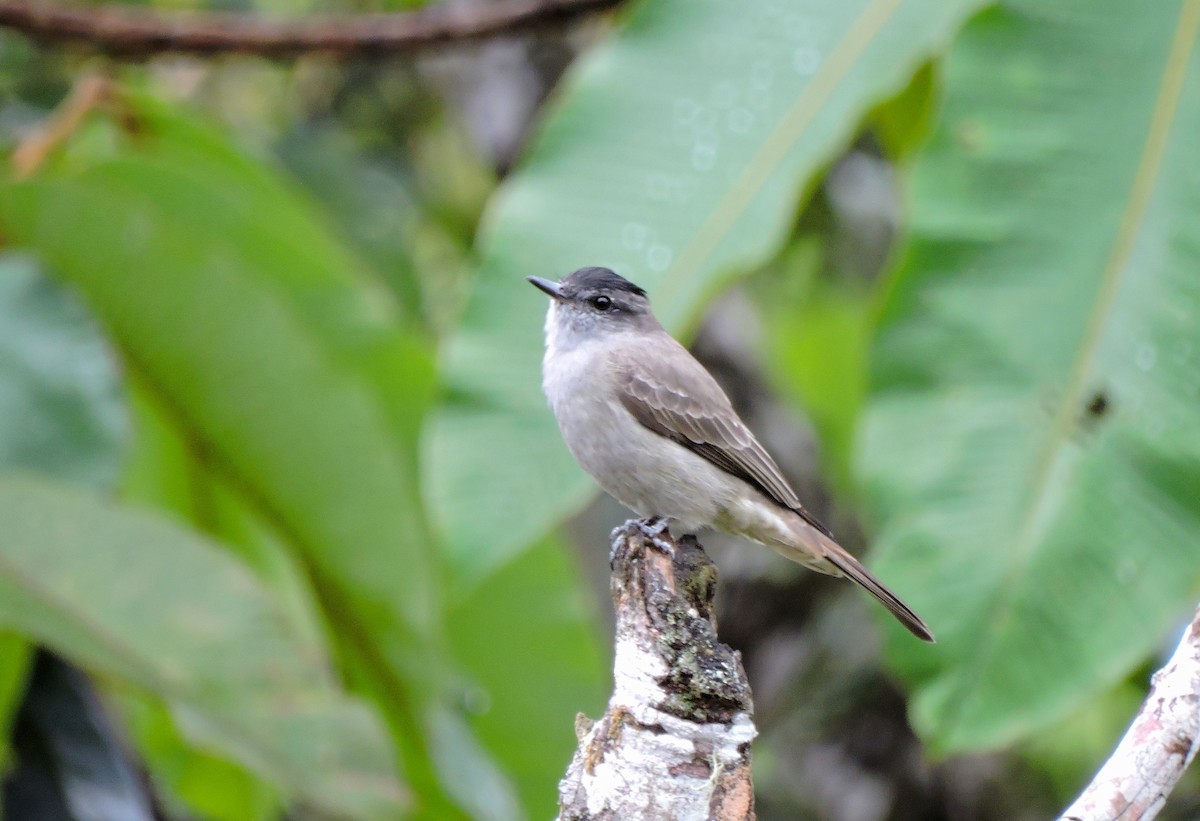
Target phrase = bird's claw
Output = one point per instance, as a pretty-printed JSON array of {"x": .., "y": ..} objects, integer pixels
[{"x": 653, "y": 528}]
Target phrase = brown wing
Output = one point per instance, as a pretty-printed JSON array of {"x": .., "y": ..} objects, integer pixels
[{"x": 680, "y": 400}]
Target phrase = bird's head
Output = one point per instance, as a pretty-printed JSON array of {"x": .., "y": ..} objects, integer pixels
[{"x": 591, "y": 303}]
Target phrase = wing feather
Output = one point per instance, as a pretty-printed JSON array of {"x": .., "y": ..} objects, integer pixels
[{"x": 680, "y": 400}]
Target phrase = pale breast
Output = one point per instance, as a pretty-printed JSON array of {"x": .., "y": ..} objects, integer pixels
[{"x": 643, "y": 470}]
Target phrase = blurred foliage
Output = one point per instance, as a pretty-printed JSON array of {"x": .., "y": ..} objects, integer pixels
[
  {"x": 1034, "y": 465},
  {"x": 213, "y": 649},
  {"x": 61, "y": 410},
  {"x": 15, "y": 658},
  {"x": 276, "y": 472}
]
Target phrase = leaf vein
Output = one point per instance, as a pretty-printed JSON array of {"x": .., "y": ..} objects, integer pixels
[{"x": 1145, "y": 178}]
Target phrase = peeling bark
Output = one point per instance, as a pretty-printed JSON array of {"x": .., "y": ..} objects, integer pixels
[
  {"x": 674, "y": 743},
  {"x": 1158, "y": 746}
]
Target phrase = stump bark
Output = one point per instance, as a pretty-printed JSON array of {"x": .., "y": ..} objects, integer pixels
[{"x": 674, "y": 742}]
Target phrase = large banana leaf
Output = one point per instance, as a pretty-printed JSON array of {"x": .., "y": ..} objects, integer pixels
[
  {"x": 61, "y": 413},
  {"x": 174, "y": 474},
  {"x": 676, "y": 181},
  {"x": 131, "y": 595},
  {"x": 277, "y": 355},
  {"x": 1032, "y": 446},
  {"x": 259, "y": 331}
]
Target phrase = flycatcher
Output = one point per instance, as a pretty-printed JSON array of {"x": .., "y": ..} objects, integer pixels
[{"x": 656, "y": 431}]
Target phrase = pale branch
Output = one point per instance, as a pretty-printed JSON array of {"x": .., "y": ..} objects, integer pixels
[
  {"x": 137, "y": 32},
  {"x": 674, "y": 742},
  {"x": 89, "y": 91},
  {"x": 1158, "y": 746}
]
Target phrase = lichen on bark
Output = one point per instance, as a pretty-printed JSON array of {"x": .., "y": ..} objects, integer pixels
[{"x": 674, "y": 742}]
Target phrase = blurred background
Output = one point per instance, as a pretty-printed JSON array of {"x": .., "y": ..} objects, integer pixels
[{"x": 289, "y": 532}]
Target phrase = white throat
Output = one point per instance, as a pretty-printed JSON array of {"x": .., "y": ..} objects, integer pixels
[{"x": 562, "y": 335}]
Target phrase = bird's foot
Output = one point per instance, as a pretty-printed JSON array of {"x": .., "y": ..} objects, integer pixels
[{"x": 653, "y": 528}]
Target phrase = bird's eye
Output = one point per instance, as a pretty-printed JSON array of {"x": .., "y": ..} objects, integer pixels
[{"x": 601, "y": 303}]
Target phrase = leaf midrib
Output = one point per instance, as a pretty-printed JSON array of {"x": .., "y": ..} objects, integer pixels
[
  {"x": 1144, "y": 181},
  {"x": 775, "y": 148}
]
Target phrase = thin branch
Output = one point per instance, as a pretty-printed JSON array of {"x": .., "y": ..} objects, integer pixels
[
  {"x": 90, "y": 91},
  {"x": 1134, "y": 783},
  {"x": 134, "y": 32},
  {"x": 675, "y": 740}
]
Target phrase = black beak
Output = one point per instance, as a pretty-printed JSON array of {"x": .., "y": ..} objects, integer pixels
[{"x": 551, "y": 288}]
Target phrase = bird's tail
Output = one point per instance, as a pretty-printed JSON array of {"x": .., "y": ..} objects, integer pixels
[{"x": 846, "y": 565}]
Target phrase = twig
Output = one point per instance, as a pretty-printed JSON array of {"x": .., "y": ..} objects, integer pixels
[
  {"x": 1134, "y": 783},
  {"x": 89, "y": 92},
  {"x": 134, "y": 32},
  {"x": 674, "y": 743}
]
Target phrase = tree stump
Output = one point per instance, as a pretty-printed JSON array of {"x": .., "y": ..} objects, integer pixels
[{"x": 674, "y": 743}]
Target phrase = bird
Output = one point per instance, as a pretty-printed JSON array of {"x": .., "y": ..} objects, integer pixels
[{"x": 651, "y": 425}]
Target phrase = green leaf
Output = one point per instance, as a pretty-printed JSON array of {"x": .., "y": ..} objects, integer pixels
[
  {"x": 16, "y": 656},
  {"x": 61, "y": 413},
  {"x": 371, "y": 199},
  {"x": 1068, "y": 752},
  {"x": 903, "y": 123},
  {"x": 817, "y": 336},
  {"x": 190, "y": 781},
  {"x": 61, "y": 409},
  {"x": 131, "y": 595},
  {"x": 530, "y": 689},
  {"x": 268, "y": 342},
  {"x": 678, "y": 183},
  {"x": 411, "y": 214},
  {"x": 167, "y": 471},
  {"x": 279, "y": 353},
  {"x": 1032, "y": 445},
  {"x": 822, "y": 354},
  {"x": 468, "y": 771},
  {"x": 264, "y": 336}
]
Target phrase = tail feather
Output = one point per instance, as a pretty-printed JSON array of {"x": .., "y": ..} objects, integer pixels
[
  {"x": 810, "y": 544},
  {"x": 854, "y": 570}
]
